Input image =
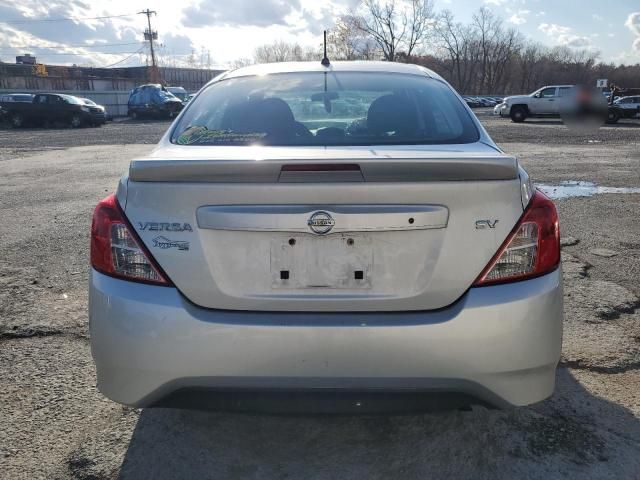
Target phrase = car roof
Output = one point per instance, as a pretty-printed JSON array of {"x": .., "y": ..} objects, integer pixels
[{"x": 338, "y": 66}]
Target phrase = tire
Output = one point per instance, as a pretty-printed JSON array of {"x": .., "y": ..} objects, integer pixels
[
  {"x": 76, "y": 121},
  {"x": 17, "y": 120},
  {"x": 518, "y": 114},
  {"x": 134, "y": 115},
  {"x": 613, "y": 115}
]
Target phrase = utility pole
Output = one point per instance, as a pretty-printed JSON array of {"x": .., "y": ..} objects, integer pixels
[{"x": 151, "y": 36}]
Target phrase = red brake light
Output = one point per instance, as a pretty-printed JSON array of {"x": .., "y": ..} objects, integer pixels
[
  {"x": 117, "y": 250},
  {"x": 321, "y": 167},
  {"x": 531, "y": 249}
]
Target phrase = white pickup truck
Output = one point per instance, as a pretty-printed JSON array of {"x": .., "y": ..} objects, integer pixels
[{"x": 545, "y": 101}]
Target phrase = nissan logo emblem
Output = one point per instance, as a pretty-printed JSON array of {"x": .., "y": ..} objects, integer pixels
[{"x": 321, "y": 223}]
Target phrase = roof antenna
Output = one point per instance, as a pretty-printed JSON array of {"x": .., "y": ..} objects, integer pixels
[{"x": 325, "y": 60}]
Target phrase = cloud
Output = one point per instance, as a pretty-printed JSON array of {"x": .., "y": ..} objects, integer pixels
[
  {"x": 18, "y": 42},
  {"x": 261, "y": 13},
  {"x": 597, "y": 17},
  {"x": 574, "y": 41},
  {"x": 178, "y": 43},
  {"x": 495, "y": 2},
  {"x": 69, "y": 41},
  {"x": 633, "y": 23},
  {"x": 519, "y": 17},
  {"x": 563, "y": 35},
  {"x": 553, "y": 29}
]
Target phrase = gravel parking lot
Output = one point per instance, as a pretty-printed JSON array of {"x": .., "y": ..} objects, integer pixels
[{"x": 55, "y": 424}]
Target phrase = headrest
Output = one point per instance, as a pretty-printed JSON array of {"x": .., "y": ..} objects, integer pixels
[{"x": 392, "y": 113}]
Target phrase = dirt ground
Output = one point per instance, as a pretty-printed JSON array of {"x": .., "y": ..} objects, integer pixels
[{"x": 54, "y": 424}]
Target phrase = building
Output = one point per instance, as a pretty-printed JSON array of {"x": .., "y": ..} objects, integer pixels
[
  {"x": 40, "y": 77},
  {"x": 106, "y": 86},
  {"x": 26, "y": 59}
]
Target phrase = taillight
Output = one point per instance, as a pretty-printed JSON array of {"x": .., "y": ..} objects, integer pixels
[
  {"x": 531, "y": 249},
  {"x": 116, "y": 249}
]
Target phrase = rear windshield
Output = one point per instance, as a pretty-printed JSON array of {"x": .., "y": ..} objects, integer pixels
[
  {"x": 71, "y": 99},
  {"x": 326, "y": 109}
]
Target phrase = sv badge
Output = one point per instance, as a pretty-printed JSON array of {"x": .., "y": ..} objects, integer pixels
[{"x": 482, "y": 224}]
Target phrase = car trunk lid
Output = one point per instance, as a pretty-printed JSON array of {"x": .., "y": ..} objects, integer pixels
[{"x": 330, "y": 230}]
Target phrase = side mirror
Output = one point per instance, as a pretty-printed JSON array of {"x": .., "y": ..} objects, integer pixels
[{"x": 537, "y": 95}]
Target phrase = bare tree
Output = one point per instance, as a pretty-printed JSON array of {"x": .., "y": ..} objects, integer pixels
[
  {"x": 482, "y": 57},
  {"x": 503, "y": 54},
  {"x": 395, "y": 26},
  {"x": 278, "y": 51},
  {"x": 241, "y": 62},
  {"x": 530, "y": 61},
  {"x": 486, "y": 25},
  {"x": 453, "y": 40},
  {"x": 419, "y": 19},
  {"x": 281, "y": 51},
  {"x": 345, "y": 41}
]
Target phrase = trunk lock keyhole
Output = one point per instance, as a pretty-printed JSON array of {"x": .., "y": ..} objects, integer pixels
[{"x": 350, "y": 241}]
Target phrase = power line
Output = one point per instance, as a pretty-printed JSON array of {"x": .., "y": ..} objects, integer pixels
[
  {"x": 71, "y": 46},
  {"x": 64, "y": 19},
  {"x": 84, "y": 54},
  {"x": 123, "y": 60}
]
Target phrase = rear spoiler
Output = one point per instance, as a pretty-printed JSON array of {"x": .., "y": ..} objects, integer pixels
[{"x": 457, "y": 166}]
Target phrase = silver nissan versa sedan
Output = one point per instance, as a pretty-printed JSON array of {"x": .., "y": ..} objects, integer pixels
[{"x": 346, "y": 233}]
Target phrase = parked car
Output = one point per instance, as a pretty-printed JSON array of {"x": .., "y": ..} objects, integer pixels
[
  {"x": 497, "y": 110},
  {"x": 153, "y": 100},
  {"x": 348, "y": 233},
  {"x": 472, "y": 102},
  {"x": 99, "y": 110},
  {"x": 179, "y": 92},
  {"x": 624, "y": 107},
  {"x": 12, "y": 97},
  {"x": 48, "y": 108},
  {"x": 486, "y": 101},
  {"x": 545, "y": 101},
  {"x": 16, "y": 97}
]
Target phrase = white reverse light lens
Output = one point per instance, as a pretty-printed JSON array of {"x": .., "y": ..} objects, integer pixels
[
  {"x": 519, "y": 258},
  {"x": 128, "y": 259}
]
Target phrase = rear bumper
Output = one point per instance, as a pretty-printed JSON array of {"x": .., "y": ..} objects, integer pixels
[{"x": 499, "y": 344}]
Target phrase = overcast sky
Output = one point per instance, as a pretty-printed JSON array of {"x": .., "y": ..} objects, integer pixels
[{"x": 231, "y": 29}]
